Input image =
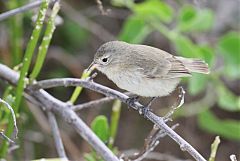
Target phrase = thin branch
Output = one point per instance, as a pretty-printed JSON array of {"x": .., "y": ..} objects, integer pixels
[
  {"x": 150, "y": 143},
  {"x": 95, "y": 103},
  {"x": 177, "y": 104},
  {"x": 15, "y": 133},
  {"x": 185, "y": 146},
  {"x": 100, "y": 7},
  {"x": 56, "y": 135},
  {"x": 24, "y": 8},
  {"x": 87, "y": 24},
  {"x": 155, "y": 156},
  {"x": 64, "y": 111}
]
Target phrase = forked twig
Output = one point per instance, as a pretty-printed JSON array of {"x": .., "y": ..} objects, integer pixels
[{"x": 100, "y": 7}]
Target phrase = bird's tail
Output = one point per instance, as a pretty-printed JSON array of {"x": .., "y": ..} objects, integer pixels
[{"x": 195, "y": 65}]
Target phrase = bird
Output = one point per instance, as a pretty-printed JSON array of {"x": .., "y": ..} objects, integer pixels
[{"x": 144, "y": 70}]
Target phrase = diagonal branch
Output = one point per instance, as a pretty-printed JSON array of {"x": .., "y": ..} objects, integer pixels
[
  {"x": 56, "y": 135},
  {"x": 48, "y": 102},
  {"x": 159, "y": 121},
  {"x": 24, "y": 8}
]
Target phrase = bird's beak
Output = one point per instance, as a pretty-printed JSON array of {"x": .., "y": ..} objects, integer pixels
[{"x": 91, "y": 67}]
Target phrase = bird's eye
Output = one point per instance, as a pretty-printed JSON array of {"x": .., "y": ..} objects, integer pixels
[{"x": 104, "y": 60}]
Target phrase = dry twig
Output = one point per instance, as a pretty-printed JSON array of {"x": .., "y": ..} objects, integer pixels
[
  {"x": 100, "y": 7},
  {"x": 56, "y": 135}
]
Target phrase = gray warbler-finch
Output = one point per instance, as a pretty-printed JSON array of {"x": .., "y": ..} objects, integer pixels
[{"x": 143, "y": 70}]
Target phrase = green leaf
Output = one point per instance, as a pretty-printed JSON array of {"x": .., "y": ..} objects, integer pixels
[
  {"x": 191, "y": 19},
  {"x": 101, "y": 128},
  {"x": 134, "y": 30},
  {"x": 184, "y": 45},
  {"x": 74, "y": 36},
  {"x": 207, "y": 54},
  {"x": 89, "y": 157},
  {"x": 229, "y": 129},
  {"x": 229, "y": 47},
  {"x": 227, "y": 100},
  {"x": 197, "y": 83},
  {"x": 154, "y": 9}
]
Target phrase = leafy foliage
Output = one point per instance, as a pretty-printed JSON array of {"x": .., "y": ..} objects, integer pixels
[
  {"x": 226, "y": 128},
  {"x": 151, "y": 15}
]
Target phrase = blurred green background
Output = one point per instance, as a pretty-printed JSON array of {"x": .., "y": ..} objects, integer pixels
[{"x": 209, "y": 30}]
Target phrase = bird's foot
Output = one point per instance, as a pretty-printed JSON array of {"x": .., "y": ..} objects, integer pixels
[
  {"x": 131, "y": 100},
  {"x": 146, "y": 109}
]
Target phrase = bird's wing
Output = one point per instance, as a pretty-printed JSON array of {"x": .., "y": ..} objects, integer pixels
[{"x": 160, "y": 65}]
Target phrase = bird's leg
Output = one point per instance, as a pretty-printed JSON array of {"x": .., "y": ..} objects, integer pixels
[
  {"x": 146, "y": 109},
  {"x": 131, "y": 100}
]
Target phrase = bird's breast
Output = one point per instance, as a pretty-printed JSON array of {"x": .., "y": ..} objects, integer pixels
[{"x": 137, "y": 83}]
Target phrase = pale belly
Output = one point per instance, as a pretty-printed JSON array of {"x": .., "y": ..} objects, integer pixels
[{"x": 142, "y": 86}]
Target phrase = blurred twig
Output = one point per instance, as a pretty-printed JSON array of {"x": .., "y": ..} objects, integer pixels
[
  {"x": 155, "y": 156},
  {"x": 94, "y": 103},
  {"x": 87, "y": 24},
  {"x": 100, "y": 7},
  {"x": 56, "y": 135},
  {"x": 150, "y": 143},
  {"x": 24, "y": 8}
]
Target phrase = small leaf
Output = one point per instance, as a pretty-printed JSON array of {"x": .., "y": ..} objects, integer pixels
[
  {"x": 101, "y": 128},
  {"x": 226, "y": 128},
  {"x": 227, "y": 100},
  {"x": 191, "y": 19},
  {"x": 154, "y": 9},
  {"x": 229, "y": 47},
  {"x": 89, "y": 157},
  {"x": 197, "y": 83},
  {"x": 207, "y": 54},
  {"x": 184, "y": 45},
  {"x": 134, "y": 30}
]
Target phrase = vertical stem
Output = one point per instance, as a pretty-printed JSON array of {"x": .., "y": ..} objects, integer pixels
[
  {"x": 116, "y": 111},
  {"x": 42, "y": 50},
  {"x": 79, "y": 89},
  {"x": 26, "y": 63}
]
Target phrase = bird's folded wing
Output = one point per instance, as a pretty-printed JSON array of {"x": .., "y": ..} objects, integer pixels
[{"x": 166, "y": 68}]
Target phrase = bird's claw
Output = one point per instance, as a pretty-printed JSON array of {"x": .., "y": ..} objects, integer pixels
[
  {"x": 144, "y": 111},
  {"x": 131, "y": 100}
]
